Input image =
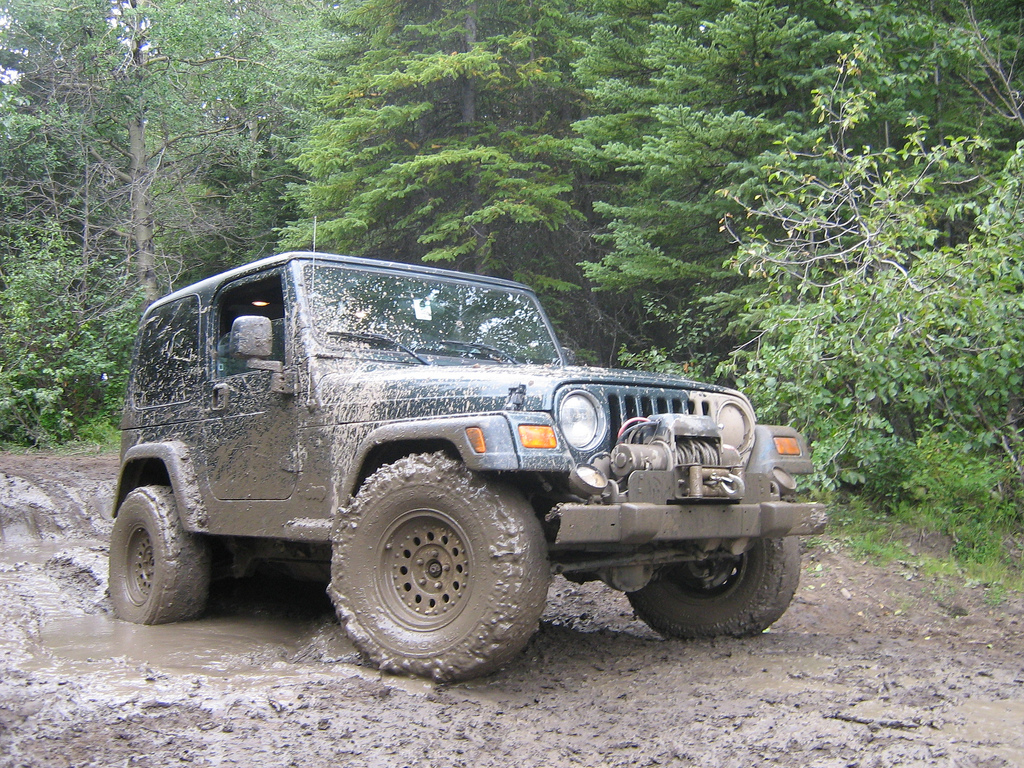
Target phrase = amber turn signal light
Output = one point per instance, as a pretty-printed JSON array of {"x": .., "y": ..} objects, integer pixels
[
  {"x": 787, "y": 446},
  {"x": 475, "y": 435},
  {"x": 537, "y": 436}
]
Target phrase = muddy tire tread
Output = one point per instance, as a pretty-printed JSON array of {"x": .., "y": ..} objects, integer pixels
[
  {"x": 770, "y": 579},
  {"x": 182, "y": 566},
  {"x": 512, "y": 568}
]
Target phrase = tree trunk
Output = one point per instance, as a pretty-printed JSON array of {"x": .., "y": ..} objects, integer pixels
[
  {"x": 468, "y": 82},
  {"x": 141, "y": 181},
  {"x": 142, "y": 210}
]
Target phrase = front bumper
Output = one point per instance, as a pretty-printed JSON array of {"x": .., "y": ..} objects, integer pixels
[{"x": 646, "y": 523}]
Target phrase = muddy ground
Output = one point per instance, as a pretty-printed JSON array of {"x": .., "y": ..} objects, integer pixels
[{"x": 871, "y": 666}]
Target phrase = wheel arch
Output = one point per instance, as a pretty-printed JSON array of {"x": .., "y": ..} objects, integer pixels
[
  {"x": 391, "y": 442},
  {"x": 166, "y": 464},
  {"x": 382, "y": 454}
]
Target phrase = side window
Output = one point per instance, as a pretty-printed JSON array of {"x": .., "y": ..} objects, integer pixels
[
  {"x": 261, "y": 295},
  {"x": 167, "y": 362}
]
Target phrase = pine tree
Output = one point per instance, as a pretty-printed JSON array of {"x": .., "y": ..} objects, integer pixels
[
  {"x": 687, "y": 95},
  {"x": 446, "y": 137}
]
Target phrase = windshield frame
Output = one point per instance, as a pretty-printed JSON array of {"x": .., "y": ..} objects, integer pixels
[{"x": 316, "y": 336}]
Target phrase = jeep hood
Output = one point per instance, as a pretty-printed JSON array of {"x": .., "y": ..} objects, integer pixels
[{"x": 389, "y": 392}]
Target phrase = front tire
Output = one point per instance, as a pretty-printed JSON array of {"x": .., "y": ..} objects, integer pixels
[
  {"x": 737, "y": 596},
  {"x": 159, "y": 572},
  {"x": 437, "y": 572}
]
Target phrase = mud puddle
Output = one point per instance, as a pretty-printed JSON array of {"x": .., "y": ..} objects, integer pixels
[
  {"x": 221, "y": 646},
  {"x": 872, "y": 666},
  {"x": 248, "y": 629}
]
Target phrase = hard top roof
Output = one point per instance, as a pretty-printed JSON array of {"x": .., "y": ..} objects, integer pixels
[{"x": 208, "y": 286}]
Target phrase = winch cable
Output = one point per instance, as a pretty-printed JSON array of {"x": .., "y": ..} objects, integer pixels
[{"x": 631, "y": 426}]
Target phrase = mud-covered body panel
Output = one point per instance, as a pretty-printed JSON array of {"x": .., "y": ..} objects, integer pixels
[{"x": 273, "y": 444}]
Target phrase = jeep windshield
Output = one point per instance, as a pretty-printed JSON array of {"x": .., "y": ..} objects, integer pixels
[{"x": 383, "y": 316}]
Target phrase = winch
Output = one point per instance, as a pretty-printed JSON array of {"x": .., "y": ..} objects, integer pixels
[{"x": 669, "y": 457}]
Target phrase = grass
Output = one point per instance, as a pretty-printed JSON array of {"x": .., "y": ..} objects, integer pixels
[
  {"x": 73, "y": 448},
  {"x": 98, "y": 436},
  {"x": 886, "y": 539}
]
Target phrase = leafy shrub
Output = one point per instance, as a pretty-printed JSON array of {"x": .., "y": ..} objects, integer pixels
[
  {"x": 66, "y": 329},
  {"x": 897, "y": 348},
  {"x": 952, "y": 488},
  {"x": 873, "y": 328}
]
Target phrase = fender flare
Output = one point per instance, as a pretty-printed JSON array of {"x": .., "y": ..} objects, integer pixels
[
  {"x": 501, "y": 452},
  {"x": 173, "y": 456}
]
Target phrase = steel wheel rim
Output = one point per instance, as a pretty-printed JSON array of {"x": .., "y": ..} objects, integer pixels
[
  {"x": 424, "y": 570},
  {"x": 705, "y": 580},
  {"x": 141, "y": 566}
]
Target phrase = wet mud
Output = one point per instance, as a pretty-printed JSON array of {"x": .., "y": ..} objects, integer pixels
[{"x": 871, "y": 666}]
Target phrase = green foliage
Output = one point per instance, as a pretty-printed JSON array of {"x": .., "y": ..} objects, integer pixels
[
  {"x": 141, "y": 135},
  {"x": 101, "y": 431},
  {"x": 569, "y": 145},
  {"x": 951, "y": 488},
  {"x": 444, "y": 136},
  {"x": 681, "y": 108},
  {"x": 692, "y": 332},
  {"x": 966, "y": 503},
  {"x": 64, "y": 340},
  {"x": 160, "y": 120},
  {"x": 874, "y": 331},
  {"x": 889, "y": 324}
]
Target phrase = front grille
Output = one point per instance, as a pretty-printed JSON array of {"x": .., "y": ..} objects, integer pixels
[{"x": 628, "y": 403}]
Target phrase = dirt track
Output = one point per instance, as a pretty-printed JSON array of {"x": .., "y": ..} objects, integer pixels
[{"x": 870, "y": 667}]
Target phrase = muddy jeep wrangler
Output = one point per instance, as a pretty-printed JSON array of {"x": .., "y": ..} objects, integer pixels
[{"x": 415, "y": 438}]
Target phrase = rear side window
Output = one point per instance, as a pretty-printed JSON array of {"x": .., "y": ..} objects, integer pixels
[{"x": 167, "y": 363}]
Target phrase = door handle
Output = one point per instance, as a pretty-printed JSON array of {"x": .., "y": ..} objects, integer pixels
[{"x": 221, "y": 395}]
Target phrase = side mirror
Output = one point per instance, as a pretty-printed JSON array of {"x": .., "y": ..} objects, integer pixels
[
  {"x": 252, "y": 340},
  {"x": 251, "y": 336}
]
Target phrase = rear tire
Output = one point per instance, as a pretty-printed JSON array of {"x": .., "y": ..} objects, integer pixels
[
  {"x": 738, "y": 596},
  {"x": 438, "y": 572},
  {"x": 159, "y": 572}
]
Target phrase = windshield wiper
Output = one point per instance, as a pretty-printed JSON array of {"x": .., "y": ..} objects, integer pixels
[
  {"x": 378, "y": 339},
  {"x": 474, "y": 350}
]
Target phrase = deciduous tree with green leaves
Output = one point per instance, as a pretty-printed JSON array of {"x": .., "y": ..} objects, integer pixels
[
  {"x": 65, "y": 339},
  {"x": 154, "y": 98},
  {"x": 887, "y": 341},
  {"x": 131, "y": 131}
]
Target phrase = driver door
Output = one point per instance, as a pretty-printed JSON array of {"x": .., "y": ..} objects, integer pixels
[{"x": 250, "y": 433}]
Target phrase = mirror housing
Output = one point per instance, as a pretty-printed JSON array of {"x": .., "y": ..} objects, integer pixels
[
  {"x": 252, "y": 340},
  {"x": 251, "y": 337}
]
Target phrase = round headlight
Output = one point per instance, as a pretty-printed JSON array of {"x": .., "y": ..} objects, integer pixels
[
  {"x": 580, "y": 420},
  {"x": 737, "y": 429}
]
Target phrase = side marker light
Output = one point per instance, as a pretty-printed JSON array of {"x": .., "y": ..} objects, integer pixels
[
  {"x": 537, "y": 436},
  {"x": 787, "y": 446},
  {"x": 475, "y": 435}
]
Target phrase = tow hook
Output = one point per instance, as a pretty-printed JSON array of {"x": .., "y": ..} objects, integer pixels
[{"x": 731, "y": 484}]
